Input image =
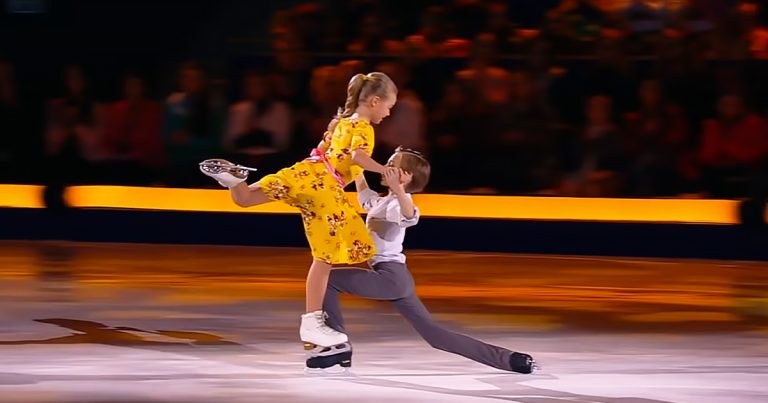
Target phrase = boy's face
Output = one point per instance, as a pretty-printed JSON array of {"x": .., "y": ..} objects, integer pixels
[{"x": 395, "y": 161}]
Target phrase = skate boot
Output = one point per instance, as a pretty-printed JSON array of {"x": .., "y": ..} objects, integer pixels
[
  {"x": 315, "y": 332},
  {"x": 334, "y": 360},
  {"x": 522, "y": 363}
]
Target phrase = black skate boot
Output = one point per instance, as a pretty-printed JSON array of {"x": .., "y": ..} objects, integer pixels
[{"x": 522, "y": 363}]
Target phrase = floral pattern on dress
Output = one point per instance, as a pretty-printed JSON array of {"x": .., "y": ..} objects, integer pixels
[
  {"x": 276, "y": 190},
  {"x": 360, "y": 251},
  {"x": 335, "y": 231},
  {"x": 336, "y": 222}
]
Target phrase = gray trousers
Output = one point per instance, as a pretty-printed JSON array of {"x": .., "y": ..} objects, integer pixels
[{"x": 393, "y": 282}]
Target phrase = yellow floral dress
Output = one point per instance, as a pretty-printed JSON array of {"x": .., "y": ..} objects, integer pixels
[{"x": 335, "y": 231}]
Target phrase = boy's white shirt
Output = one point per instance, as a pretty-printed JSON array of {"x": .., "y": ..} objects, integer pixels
[{"x": 386, "y": 224}]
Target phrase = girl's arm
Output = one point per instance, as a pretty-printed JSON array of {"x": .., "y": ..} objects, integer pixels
[
  {"x": 361, "y": 158},
  {"x": 362, "y": 148},
  {"x": 324, "y": 143}
]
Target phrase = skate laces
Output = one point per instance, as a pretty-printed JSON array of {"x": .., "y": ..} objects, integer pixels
[{"x": 324, "y": 328}]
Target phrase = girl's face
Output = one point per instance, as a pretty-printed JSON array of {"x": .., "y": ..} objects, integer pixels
[{"x": 380, "y": 108}]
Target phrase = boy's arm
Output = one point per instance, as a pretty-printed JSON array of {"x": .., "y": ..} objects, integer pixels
[
  {"x": 407, "y": 209},
  {"x": 405, "y": 212},
  {"x": 361, "y": 184},
  {"x": 365, "y": 196}
]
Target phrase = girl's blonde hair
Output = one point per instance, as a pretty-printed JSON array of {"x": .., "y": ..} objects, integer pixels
[{"x": 360, "y": 88}]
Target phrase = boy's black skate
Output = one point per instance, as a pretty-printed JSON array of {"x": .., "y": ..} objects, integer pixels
[{"x": 522, "y": 363}]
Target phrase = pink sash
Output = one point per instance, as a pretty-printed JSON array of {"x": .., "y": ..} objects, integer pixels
[{"x": 318, "y": 156}]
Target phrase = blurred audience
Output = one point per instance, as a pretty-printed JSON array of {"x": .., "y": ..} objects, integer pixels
[{"x": 554, "y": 97}]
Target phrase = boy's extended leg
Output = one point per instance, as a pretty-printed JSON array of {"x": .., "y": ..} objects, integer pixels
[
  {"x": 441, "y": 338},
  {"x": 393, "y": 282}
]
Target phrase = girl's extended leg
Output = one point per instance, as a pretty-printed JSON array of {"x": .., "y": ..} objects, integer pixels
[{"x": 247, "y": 196}]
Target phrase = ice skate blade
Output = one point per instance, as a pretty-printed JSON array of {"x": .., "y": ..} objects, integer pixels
[
  {"x": 315, "y": 349},
  {"x": 536, "y": 368},
  {"x": 312, "y": 346},
  {"x": 334, "y": 371}
]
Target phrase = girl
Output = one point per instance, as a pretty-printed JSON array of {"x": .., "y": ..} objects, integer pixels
[{"x": 336, "y": 233}]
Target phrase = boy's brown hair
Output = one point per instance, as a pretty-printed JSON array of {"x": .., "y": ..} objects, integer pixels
[{"x": 415, "y": 164}]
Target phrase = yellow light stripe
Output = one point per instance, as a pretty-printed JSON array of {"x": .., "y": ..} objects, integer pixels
[
  {"x": 214, "y": 200},
  {"x": 431, "y": 205},
  {"x": 590, "y": 209},
  {"x": 26, "y": 196}
]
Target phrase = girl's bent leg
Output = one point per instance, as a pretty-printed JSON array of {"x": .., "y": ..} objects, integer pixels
[
  {"x": 314, "y": 330},
  {"x": 317, "y": 281}
]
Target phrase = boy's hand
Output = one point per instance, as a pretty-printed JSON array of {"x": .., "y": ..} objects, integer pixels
[{"x": 392, "y": 178}]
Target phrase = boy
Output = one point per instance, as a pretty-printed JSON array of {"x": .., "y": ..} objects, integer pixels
[{"x": 389, "y": 279}]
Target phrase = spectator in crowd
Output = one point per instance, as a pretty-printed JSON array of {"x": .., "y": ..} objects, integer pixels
[
  {"x": 74, "y": 142},
  {"x": 656, "y": 135},
  {"x": 259, "y": 128},
  {"x": 9, "y": 120},
  {"x": 134, "y": 134},
  {"x": 191, "y": 132},
  {"x": 595, "y": 155},
  {"x": 732, "y": 146}
]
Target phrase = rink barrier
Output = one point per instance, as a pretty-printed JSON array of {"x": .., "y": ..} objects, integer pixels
[
  {"x": 689, "y": 211},
  {"x": 701, "y": 229}
]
